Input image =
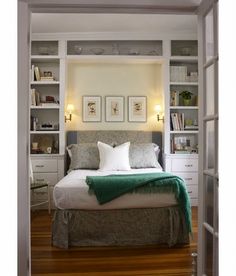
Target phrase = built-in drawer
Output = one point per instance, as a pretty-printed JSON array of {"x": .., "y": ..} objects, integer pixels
[
  {"x": 184, "y": 165},
  {"x": 192, "y": 191},
  {"x": 43, "y": 165},
  {"x": 189, "y": 178},
  {"x": 51, "y": 178}
]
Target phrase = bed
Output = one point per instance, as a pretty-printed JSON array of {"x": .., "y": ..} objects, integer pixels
[{"x": 130, "y": 219}]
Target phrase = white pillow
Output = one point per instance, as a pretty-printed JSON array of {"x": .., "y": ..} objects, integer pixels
[{"x": 114, "y": 159}]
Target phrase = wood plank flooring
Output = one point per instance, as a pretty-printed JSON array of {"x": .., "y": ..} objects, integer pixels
[{"x": 105, "y": 261}]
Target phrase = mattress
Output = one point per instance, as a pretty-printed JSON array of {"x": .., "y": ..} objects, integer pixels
[{"x": 71, "y": 192}]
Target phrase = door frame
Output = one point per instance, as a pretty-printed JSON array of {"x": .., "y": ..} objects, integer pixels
[{"x": 25, "y": 8}]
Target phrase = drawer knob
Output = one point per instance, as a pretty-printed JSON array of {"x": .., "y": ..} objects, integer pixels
[
  {"x": 190, "y": 165},
  {"x": 40, "y": 180},
  {"x": 39, "y": 166},
  {"x": 188, "y": 178}
]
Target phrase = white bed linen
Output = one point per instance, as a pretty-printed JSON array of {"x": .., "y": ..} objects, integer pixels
[{"x": 71, "y": 192}]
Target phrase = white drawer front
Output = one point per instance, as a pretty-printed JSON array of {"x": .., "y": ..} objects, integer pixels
[
  {"x": 192, "y": 191},
  {"x": 189, "y": 178},
  {"x": 49, "y": 165},
  {"x": 52, "y": 178},
  {"x": 184, "y": 165}
]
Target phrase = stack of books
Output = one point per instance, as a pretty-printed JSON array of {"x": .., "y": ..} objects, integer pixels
[{"x": 47, "y": 78}]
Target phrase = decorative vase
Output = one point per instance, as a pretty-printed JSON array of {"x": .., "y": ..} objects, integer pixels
[{"x": 187, "y": 102}]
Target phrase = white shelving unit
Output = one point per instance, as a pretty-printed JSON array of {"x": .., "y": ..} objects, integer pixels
[
  {"x": 47, "y": 146},
  {"x": 181, "y": 156}
]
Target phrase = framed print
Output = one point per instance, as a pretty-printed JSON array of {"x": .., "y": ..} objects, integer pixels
[
  {"x": 137, "y": 109},
  {"x": 92, "y": 106},
  {"x": 114, "y": 108}
]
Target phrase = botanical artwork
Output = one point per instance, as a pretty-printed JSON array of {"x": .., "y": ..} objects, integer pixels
[
  {"x": 92, "y": 108},
  {"x": 137, "y": 109},
  {"x": 114, "y": 108}
]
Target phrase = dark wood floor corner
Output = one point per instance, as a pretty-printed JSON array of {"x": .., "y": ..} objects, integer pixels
[{"x": 105, "y": 261}]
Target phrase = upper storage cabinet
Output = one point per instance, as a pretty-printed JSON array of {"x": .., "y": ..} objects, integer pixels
[
  {"x": 44, "y": 48},
  {"x": 115, "y": 47},
  {"x": 184, "y": 48}
]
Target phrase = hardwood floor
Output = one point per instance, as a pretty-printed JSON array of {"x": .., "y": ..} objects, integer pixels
[{"x": 105, "y": 261}]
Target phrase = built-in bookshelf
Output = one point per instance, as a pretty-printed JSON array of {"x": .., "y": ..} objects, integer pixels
[
  {"x": 182, "y": 98},
  {"x": 46, "y": 98},
  {"x": 181, "y": 114}
]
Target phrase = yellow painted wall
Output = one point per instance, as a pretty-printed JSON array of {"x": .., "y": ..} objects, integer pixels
[{"x": 114, "y": 79}]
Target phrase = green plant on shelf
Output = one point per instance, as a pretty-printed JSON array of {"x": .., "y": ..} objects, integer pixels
[{"x": 186, "y": 96}]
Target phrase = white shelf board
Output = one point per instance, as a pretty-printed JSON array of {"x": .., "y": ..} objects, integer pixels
[
  {"x": 44, "y": 107},
  {"x": 45, "y": 154},
  {"x": 184, "y": 132},
  {"x": 184, "y": 83},
  {"x": 184, "y": 107},
  {"x": 45, "y": 57},
  {"x": 45, "y": 132},
  {"x": 115, "y": 59},
  {"x": 45, "y": 82},
  {"x": 184, "y": 58}
]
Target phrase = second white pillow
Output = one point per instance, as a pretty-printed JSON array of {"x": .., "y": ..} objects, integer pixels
[{"x": 114, "y": 159}]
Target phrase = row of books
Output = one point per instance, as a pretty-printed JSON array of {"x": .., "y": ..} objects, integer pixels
[
  {"x": 36, "y": 75},
  {"x": 37, "y": 101},
  {"x": 177, "y": 121},
  {"x": 35, "y": 97},
  {"x": 178, "y": 73}
]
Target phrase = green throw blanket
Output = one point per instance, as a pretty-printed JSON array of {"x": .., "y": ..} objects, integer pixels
[{"x": 109, "y": 187}]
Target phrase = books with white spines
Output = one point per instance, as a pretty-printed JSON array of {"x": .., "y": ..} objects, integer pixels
[
  {"x": 32, "y": 72},
  {"x": 174, "y": 98},
  {"x": 175, "y": 121},
  {"x": 33, "y": 98}
]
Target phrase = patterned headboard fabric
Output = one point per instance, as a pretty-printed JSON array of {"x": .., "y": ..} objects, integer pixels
[{"x": 115, "y": 137}]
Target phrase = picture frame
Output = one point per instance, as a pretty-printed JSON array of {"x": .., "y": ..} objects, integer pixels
[
  {"x": 91, "y": 108},
  {"x": 114, "y": 108},
  {"x": 137, "y": 109}
]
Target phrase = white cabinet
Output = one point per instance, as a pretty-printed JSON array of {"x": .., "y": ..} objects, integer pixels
[
  {"x": 47, "y": 169},
  {"x": 186, "y": 167}
]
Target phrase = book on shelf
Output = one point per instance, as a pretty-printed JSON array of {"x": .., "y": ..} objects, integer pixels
[
  {"x": 36, "y": 73},
  {"x": 191, "y": 127},
  {"x": 182, "y": 152},
  {"x": 47, "y": 78},
  {"x": 177, "y": 121},
  {"x": 35, "y": 97},
  {"x": 174, "y": 98}
]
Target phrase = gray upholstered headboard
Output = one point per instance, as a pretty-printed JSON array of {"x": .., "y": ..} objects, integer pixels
[{"x": 115, "y": 137}]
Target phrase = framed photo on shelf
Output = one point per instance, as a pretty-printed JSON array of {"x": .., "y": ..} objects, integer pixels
[
  {"x": 114, "y": 108},
  {"x": 91, "y": 108},
  {"x": 137, "y": 108}
]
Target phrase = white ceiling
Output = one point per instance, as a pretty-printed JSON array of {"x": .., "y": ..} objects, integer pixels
[{"x": 158, "y": 23}]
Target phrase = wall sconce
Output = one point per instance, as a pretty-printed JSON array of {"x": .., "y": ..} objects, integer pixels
[
  {"x": 69, "y": 109},
  {"x": 158, "y": 109}
]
